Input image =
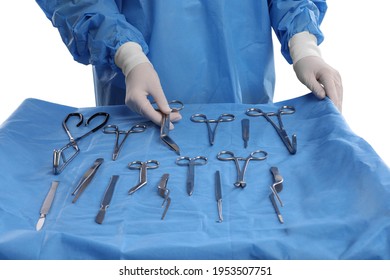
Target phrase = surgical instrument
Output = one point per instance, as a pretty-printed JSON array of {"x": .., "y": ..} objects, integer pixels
[
  {"x": 176, "y": 106},
  {"x": 142, "y": 166},
  {"x": 47, "y": 205},
  {"x": 201, "y": 118},
  {"x": 245, "y": 131},
  {"x": 284, "y": 110},
  {"x": 86, "y": 179},
  {"x": 164, "y": 193},
  {"x": 277, "y": 211},
  {"x": 191, "y": 163},
  {"x": 218, "y": 195},
  {"x": 106, "y": 199},
  {"x": 59, "y": 154},
  {"x": 228, "y": 155},
  {"x": 114, "y": 129},
  {"x": 276, "y": 187}
]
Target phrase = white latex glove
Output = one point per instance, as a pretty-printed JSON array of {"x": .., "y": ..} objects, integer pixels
[
  {"x": 141, "y": 81},
  {"x": 313, "y": 71}
]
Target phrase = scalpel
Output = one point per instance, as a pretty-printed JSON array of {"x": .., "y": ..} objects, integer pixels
[
  {"x": 46, "y": 205},
  {"x": 106, "y": 199},
  {"x": 218, "y": 195}
]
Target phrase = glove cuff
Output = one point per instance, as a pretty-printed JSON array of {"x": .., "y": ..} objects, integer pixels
[
  {"x": 303, "y": 44},
  {"x": 128, "y": 56}
]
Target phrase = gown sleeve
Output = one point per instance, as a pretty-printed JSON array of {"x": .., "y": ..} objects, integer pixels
[
  {"x": 289, "y": 17},
  {"x": 92, "y": 30}
]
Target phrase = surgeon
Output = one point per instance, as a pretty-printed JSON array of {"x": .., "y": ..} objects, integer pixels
[{"x": 195, "y": 51}]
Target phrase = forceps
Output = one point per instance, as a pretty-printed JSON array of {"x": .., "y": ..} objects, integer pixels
[
  {"x": 201, "y": 118},
  {"x": 191, "y": 163},
  {"x": 114, "y": 129},
  {"x": 142, "y": 166},
  {"x": 59, "y": 154},
  {"x": 284, "y": 110},
  {"x": 86, "y": 179},
  {"x": 228, "y": 155},
  {"x": 176, "y": 106}
]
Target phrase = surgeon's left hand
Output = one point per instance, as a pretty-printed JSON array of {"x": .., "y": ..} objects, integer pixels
[
  {"x": 320, "y": 78},
  {"x": 312, "y": 70}
]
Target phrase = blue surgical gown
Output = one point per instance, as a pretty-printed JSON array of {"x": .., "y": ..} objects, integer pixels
[{"x": 203, "y": 51}]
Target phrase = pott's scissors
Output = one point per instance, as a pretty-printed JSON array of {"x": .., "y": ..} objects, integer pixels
[
  {"x": 114, "y": 129},
  {"x": 59, "y": 154},
  {"x": 201, "y": 118},
  {"x": 228, "y": 155},
  {"x": 176, "y": 106},
  {"x": 284, "y": 110},
  {"x": 142, "y": 166},
  {"x": 163, "y": 191},
  {"x": 276, "y": 188},
  {"x": 191, "y": 163}
]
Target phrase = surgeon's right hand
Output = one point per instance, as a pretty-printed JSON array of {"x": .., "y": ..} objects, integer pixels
[{"x": 141, "y": 81}]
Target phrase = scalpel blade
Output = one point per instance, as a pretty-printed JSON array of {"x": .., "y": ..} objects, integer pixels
[
  {"x": 46, "y": 205},
  {"x": 106, "y": 199}
]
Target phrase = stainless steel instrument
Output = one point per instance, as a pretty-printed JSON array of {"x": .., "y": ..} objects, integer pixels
[
  {"x": 47, "y": 205},
  {"x": 106, "y": 199}
]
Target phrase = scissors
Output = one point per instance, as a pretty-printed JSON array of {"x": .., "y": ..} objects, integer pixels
[
  {"x": 191, "y": 163},
  {"x": 284, "y": 110},
  {"x": 59, "y": 154},
  {"x": 176, "y": 106},
  {"x": 114, "y": 129},
  {"x": 143, "y": 166},
  {"x": 201, "y": 118},
  {"x": 228, "y": 155}
]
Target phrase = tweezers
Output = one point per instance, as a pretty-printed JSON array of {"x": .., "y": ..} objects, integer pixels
[{"x": 86, "y": 179}]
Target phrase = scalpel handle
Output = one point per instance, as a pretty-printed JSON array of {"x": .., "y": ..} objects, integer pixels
[
  {"x": 245, "y": 131},
  {"x": 218, "y": 195},
  {"x": 49, "y": 198},
  {"x": 106, "y": 200}
]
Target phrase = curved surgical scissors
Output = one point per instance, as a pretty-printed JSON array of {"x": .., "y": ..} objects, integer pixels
[
  {"x": 114, "y": 129},
  {"x": 59, "y": 154},
  {"x": 163, "y": 191},
  {"x": 201, "y": 118},
  {"x": 228, "y": 155},
  {"x": 175, "y": 106},
  {"x": 142, "y": 166},
  {"x": 284, "y": 110},
  {"x": 191, "y": 163}
]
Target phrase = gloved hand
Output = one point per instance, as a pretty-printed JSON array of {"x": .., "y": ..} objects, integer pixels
[
  {"x": 141, "y": 81},
  {"x": 313, "y": 71}
]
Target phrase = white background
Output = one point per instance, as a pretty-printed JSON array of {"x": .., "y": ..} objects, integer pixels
[{"x": 35, "y": 63}]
